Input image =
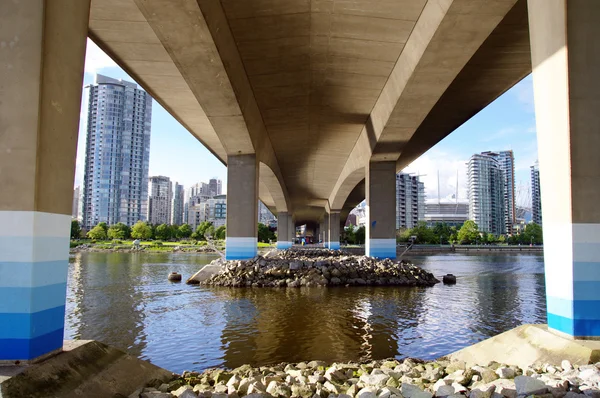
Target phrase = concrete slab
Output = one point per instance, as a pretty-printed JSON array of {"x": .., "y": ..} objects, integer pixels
[
  {"x": 527, "y": 344},
  {"x": 205, "y": 273},
  {"x": 83, "y": 369}
]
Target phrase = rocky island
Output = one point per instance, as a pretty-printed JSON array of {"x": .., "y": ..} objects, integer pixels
[{"x": 312, "y": 267}]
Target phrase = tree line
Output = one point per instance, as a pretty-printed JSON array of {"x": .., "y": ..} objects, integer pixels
[
  {"x": 145, "y": 231},
  {"x": 467, "y": 234}
]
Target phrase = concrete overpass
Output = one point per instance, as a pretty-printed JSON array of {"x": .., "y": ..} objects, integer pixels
[{"x": 312, "y": 104}]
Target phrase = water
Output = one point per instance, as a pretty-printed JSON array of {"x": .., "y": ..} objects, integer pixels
[{"x": 125, "y": 300}]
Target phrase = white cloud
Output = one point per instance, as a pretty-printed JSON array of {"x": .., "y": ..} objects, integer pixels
[
  {"x": 96, "y": 59},
  {"x": 434, "y": 161}
]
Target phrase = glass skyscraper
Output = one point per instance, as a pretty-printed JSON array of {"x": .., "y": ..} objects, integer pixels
[
  {"x": 487, "y": 193},
  {"x": 117, "y": 154},
  {"x": 536, "y": 194}
]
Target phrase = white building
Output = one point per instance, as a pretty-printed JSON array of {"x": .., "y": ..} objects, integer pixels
[
  {"x": 410, "y": 200},
  {"x": 536, "y": 194},
  {"x": 160, "y": 200},
  {"x": 486, "y": 193},
  {"x": 448, "y": 211}
]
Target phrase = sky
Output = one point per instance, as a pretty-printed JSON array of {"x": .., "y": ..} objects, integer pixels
[{"x": 507, "y": 123}]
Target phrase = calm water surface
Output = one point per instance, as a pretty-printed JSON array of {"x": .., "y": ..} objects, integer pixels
[{"x": 124, "y": 299}]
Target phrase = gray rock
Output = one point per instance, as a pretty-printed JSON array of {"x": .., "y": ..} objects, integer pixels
[
  {"x": 527, "y": 385},
  {"x": 332, "y": 388},
  {"x": 303, "y": 391},
  {"x": 181, "y": 390},
  {"x": 279, "y": 390},
  {"x": 188, "y": 394},
  {"x": 444, "y": 391},
  {"x": 566, "y": 365},
  {"x": 412, "y": 391},
  {"x": 482, "y": 393},
  {"x": 316, "y": 364},
  {"x": 378, "y": 380},
  {"x": 367, "y": 392},
  {"x": 506, "y": 373},
  {"x": 155, "y": 394}
]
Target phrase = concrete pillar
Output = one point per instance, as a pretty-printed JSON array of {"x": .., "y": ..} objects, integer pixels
[
  {"x": 42, "y": 58},
  {"x": 334, "y": 230},
  {"x": 380, "y": 184},
  {"x": 326, "y": 230},
  {"x": 284, "y": 240},
  {"x": 242, "y": 205},
  {"x": 565, "y": 54},
  {"x": 292, "y": 228}
]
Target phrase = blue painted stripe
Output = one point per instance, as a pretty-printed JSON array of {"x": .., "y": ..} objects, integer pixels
[
  {"x": 284, "y": 245},
  {"x": 26, "y": 349},
  {"x": 586, "y": 290},
  {"x": 574, "y": 309},
  {"x": 574, "y": 327},
  {"x": 381, "y": 253},
  {"x": 583, "y": 271},
  {"x": 25, "y": 300},
  {"x": 28, "y": 326},
  {"x": 33, "y": 249},
  {"x": 334, "y": 245},
  {"x": 33, "y": 274}
]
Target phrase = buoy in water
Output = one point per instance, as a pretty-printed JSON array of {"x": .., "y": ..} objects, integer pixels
[
  {"x": 449, "y": 279},
  {"x": 174, "y": 277}
]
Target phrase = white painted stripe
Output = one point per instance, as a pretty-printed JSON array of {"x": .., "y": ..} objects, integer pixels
[
  {"x": 33, "y": 274},
  {"x": 241, "y": 242},
  {"x": 558, "y": 259},
  {"x": 33, "y": 249},
  {"x": 34, "y": 223}
]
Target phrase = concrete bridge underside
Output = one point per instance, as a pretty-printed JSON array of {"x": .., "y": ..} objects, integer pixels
[{"x": 313, "y": 105}]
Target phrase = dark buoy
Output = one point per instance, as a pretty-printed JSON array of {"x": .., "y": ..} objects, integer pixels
[
  {"x": 449, "y": 279},
  {"x": 174, "y": 277}
]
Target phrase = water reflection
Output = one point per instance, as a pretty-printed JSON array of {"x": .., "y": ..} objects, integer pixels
[{"x": 125, "y": 300}]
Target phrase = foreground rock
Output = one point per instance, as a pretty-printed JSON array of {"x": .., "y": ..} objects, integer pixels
[
  {"x": 296, "y": 268},
  {"x": 410, "y": 378}
]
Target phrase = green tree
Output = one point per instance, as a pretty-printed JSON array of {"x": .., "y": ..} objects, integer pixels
[
  {"x": 501, "y": 239},
  {"x": 201, "y": 230},
  {"x": 264, "y": 233},
  {"x": 468, "y": 233},
  {"x": 423, "y": 233},
  {"x": 221, "y": 232},
  {"x": 360, "y": 234},
  {"x": 97, "y": 233},
  {"x": 163, "y": 232},
  {"x": 75, "y": 229},
  {"x": 119, "y": 231},
  {"x": 349, "y": 234},
  {"x": 403, "y": 235},
  {"x": 104, "y": 226},
  {"x": 184, "y": 231},
  {"x": 532, "y": 234},
  {"x": 442, "y": 232},
  {"x": 141, "y": 230}
]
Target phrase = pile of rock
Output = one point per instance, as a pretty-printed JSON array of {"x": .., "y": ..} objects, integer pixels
[
  {"x": 385, "y": 379},
  {"x": 296, "y": 268}
]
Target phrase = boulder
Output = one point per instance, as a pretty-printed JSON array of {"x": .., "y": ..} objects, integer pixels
[{"x": 526, "y": 385}]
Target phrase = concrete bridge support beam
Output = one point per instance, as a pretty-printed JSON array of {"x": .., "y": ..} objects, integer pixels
[
  {"x": 380, "y": 185},
  {"x": 284, "y": 240},
  {"x": 565, "y": 56},
  {"x": 42, "y": 59},
  {"x": 291, "y": 228},
  {"x": 326, "y": 230},
  {"x": 242, "y": 202},
  {"x": 334, "y": 230}
]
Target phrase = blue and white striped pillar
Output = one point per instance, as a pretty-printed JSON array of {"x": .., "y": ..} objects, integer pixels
[
  {"x": 283, "y": 239},
  {"x": 34, "y": 259},
  {"x": 334, "y": 230},
  {"x": 242, "y": 205},
  {"x": 567, "y": 94},
  {"x": 380, "y": 184}
]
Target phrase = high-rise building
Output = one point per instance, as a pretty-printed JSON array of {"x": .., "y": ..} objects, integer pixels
[
  {"x": 536, "y": 194},
  {"x": 264, "y": 214},
  {"x": 486, "y": 193},
  {"x": 506, "y": 160},
  {"x": 117, "y": 153},
  {"x": 214, "y": 187},
  {"x": 178, "y": 204},
  {"x": 75, "y": 207},
  {"x": 410, "y": 200},
  {"x": 160, "y": 199},
  {"x": 213, "y": 210}
]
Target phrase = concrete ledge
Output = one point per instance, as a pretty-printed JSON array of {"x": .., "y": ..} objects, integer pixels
[
  {"x": 528, "y": 344},
  {"x": 89, "y": 370}
]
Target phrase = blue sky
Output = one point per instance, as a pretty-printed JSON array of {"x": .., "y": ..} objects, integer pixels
[{"x": 507, "y": 123}]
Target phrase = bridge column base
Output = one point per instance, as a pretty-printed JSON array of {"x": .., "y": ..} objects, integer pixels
[
  {"x": 380, "y": 183},
  {"x": 334, "y": 231},
  {"x": 242, "y": 205},
  {"x": 565, "y": 64}
]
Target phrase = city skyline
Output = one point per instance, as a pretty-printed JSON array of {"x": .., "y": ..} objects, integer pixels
[{"x": 507, "y": 123}]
